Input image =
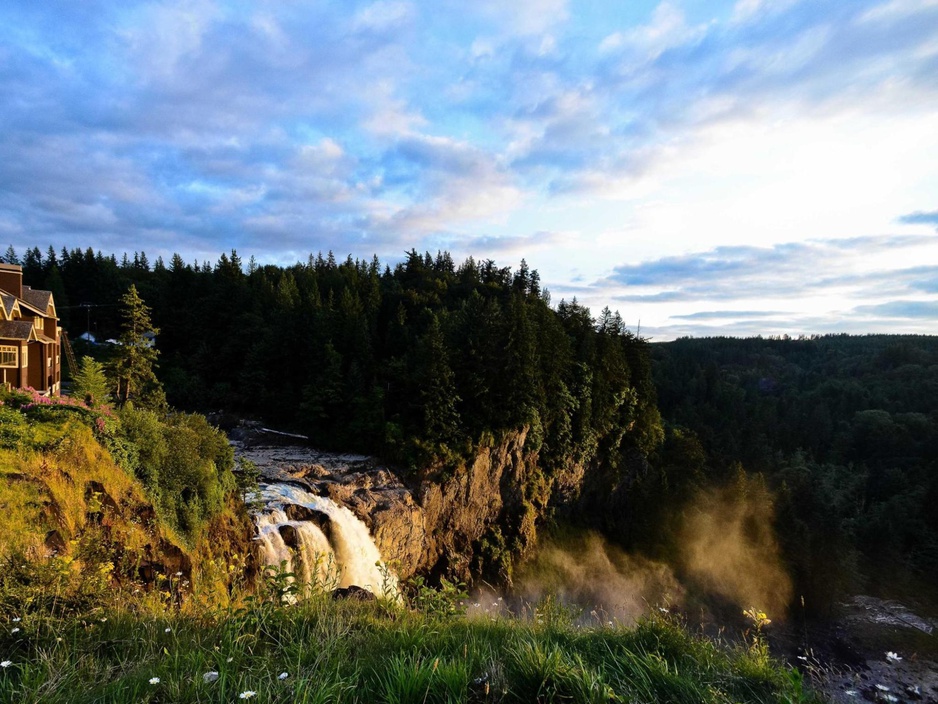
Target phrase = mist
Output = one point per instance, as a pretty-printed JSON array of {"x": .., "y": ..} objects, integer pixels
[
  {"x": 725, "y": 548},
  {"x": 587, "y": 571},
  {"x": 727, "y": 544}
]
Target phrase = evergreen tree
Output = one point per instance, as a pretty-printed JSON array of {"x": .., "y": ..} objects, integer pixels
[
  {"x": 436, "y": 388},
  {"x": 32, "y": 265},
  {"x": 90, "y": 383},
  {"x": 135, "y": 361}
]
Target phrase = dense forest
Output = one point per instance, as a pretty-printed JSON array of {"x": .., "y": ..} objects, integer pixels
[{"x": 844, "y": 429}]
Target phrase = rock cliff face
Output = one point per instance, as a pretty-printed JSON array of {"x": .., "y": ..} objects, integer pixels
[{"x": 457, "y": 522}]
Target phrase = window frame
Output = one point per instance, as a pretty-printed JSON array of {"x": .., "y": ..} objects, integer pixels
[{"x": 7, "y": 350}]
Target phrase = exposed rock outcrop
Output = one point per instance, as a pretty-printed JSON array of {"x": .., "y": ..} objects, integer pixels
[{"x": 457, "y": 522}]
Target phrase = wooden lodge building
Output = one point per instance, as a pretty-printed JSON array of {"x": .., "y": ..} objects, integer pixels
[{"x": 30, "y": 336}]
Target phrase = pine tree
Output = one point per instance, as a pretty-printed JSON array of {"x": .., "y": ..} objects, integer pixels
[
  {"x": 135, "y": 361},
  {"x": 89, "y": 383},
  {"x": 436, "y": 389}
]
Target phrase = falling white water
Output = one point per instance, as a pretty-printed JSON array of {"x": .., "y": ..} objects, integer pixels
[{"x": 347, "y": 556}]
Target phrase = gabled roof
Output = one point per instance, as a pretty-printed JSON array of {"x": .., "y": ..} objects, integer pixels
[
  {"x": 9, "y": 304},
  {"x": 40, "y": 300},
  {"x": 17, "y": 330}
]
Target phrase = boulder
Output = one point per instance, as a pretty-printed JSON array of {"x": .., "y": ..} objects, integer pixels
[{"x": 354, "y": 593}]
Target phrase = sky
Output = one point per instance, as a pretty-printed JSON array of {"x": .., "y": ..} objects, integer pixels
[{"x": 703, "y": 167}]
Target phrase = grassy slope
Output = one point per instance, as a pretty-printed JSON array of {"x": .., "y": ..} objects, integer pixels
[
  {"x": 351, "y": 652},
  {"x": 75, "y": 525}
]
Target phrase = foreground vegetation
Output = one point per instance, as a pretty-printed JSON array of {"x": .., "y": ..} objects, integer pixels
[
  {"x": 93, "y": 495},
  {"x": 321, "y": 650}
]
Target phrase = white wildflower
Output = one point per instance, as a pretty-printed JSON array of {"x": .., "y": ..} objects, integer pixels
[
  {"x": 104, "y": 620},
  {"x": 893, "y": 657},
  {"x": 154, "y": 680},
  {"x": 209, "y": 677},
  {"x": 229, "y": 659},
  {"x": 15, "y": 630},
  {"x": 247, "y": 695},
  {"x": 283, "y": 675},
  {"x": 168, "y": 630},
  {"x": 179, "y": 574},
  {"x": 17, "y": 619},
  {"x": 6, "y": 663}
]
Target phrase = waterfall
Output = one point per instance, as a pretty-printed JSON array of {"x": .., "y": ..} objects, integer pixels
[{"x": 321, "y": 543}]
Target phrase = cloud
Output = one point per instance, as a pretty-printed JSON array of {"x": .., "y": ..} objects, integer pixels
[
  {"x": 908, "y": 309},
  {"x": 853, "y": 285},
  {"x": 444, "y": 182},
  {"x": 381, "y": 17},
  {"x": 729, "y": 314},
  {"x": 781, "y": 271},
  {"x": 525, "y": 18},
  {"x": 664, "y": 84},
  {"x": 513, "y": 245},
  {"x": 920, "y": 217}
]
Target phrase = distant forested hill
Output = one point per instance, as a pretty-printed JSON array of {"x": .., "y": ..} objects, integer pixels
[{"x": 844, "y": 428}]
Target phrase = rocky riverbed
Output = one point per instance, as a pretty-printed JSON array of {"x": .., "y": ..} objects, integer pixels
[{"x": 873, "y": 650}]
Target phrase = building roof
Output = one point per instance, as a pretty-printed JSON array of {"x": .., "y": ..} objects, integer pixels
[
  {"x": 16, "y": 330},
  {"x": 9, "y": 303},
  {"x": 40, "y": 300}
]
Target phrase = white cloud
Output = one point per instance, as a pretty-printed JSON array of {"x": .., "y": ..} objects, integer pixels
[
  {"x": 390, "y": 115},
  {"x": 897, "y": 9},
  {"x": 163, "y": 38},
  {"x": 750, "y": 10},
  {"x": 668, "y": 28},
  {"x": 525, "y": 18},
  {"x": 383, "y": 16}
]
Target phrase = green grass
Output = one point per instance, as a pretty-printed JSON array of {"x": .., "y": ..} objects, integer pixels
[{"x": 351, "y": 652}]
